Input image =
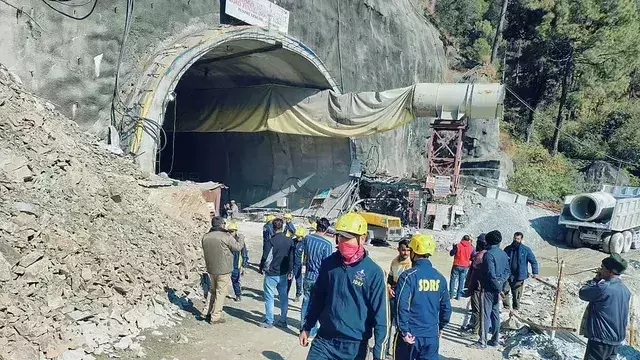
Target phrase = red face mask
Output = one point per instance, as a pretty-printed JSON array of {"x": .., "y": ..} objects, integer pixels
[{"x": 351, "y": 253}]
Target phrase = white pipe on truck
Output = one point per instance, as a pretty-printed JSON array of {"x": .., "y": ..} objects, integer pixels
[{"x": 592, "y": 206}]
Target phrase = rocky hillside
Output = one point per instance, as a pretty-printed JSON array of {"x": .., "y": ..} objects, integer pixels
[{"x": 87, "y": 256}]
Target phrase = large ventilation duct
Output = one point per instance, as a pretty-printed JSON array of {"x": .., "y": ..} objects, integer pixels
[
  {"x": 592, "y": 206},
  {"x": 313, "y": 112}
]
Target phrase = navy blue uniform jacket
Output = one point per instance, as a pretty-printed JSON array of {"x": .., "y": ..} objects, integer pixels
[
  {"x": 608, "y": 311},
  {"x": 350, "y": 302},
  {"x": 422, "y": 300},
  {"x": 520, "y": 256}
]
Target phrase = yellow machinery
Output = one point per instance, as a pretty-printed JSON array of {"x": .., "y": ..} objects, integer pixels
[{"x": 383, "y": 227}]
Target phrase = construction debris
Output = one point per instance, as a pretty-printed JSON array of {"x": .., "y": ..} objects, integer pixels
[{"x": 87, "y": 256}]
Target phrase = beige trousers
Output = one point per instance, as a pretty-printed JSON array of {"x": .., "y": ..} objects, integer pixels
[{"x": 217, "y": 293}]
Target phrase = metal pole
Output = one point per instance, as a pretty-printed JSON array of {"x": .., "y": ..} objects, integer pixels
[{"x": 554, "y": 321}]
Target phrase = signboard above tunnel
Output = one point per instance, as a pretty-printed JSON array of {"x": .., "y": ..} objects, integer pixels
[{"x": 261, "y": 13}]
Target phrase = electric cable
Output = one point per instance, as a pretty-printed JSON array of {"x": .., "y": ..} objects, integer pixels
[{"x": 95, "y": 3}]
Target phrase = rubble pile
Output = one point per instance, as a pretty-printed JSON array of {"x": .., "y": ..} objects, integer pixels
[
  {"x": 483, "y": 215},
  {"x": 87, "y": 257}
]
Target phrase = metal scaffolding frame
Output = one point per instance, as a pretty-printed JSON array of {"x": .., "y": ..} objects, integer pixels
[{"x": 444, "y": 153}]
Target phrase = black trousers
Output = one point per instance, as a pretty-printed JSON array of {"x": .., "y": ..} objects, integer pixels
[{"x": 600, "y": 351}]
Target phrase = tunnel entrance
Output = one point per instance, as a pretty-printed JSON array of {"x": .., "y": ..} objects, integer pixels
[{"x": 254, "y": 165}]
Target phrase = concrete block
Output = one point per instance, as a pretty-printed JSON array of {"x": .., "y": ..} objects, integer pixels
[
  {"x": 507, "y": 197},
  {"x": 521, "y": 199}
]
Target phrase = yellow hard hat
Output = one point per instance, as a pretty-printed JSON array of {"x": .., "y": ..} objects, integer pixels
[
  {"x": 422, "y": 244},
  {"x": 301, "y": 232},
  {"x": 351, "y": 224},
  {"x": 232, "y": 226},
  {"x": 288, "y": 216},
  {"x": 269, "y": 217}
]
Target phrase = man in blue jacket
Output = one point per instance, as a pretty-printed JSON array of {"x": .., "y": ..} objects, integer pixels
[
  {"x": 349, "y": 299},
  {"x": 605, "y": 320},
  {"x": 494, "y": 272},
  {"x": 423, "y": 304},
  {"x": 520, "y": 256}
]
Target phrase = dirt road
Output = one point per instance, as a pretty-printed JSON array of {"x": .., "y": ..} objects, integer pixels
[{"x": 241, "y": 338}]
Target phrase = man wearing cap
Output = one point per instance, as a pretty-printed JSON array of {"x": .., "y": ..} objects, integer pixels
[
  {"x": 605, "y": 320},
  {"x": 240, "y": 260},
  {"x": 218, "y": 246},
  {"x": 317, "y": 247},
  {"x": 298, "y": 257},
  {"x": 267, "y": 231},
  {"x": 349, "y": 299},
  {"x": 289, "y": 228},
  {"x": 423, "y": 304},
  {"x": 494, "y": 272}
]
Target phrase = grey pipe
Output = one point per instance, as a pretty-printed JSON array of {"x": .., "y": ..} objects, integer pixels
[{"x": 592, "y": 206}]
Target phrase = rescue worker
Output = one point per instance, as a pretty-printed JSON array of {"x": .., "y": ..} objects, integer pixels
[
  {"x": 423, "y": 304},
  {"x": 474, "y": 287},
  {"x": 317, "y": 247},
  {"x": 605, "y": 320},
  {"x": 267, "y": 231},
  {"x": 240, "y": 260},
  {"x": 298, "y": 254},
  {"x": 218, "y": 246},
  {"x": 520, "y": 256},
  {"x": 399, "y": 264},
  {"x": 289, "y": 227},
  {"x": 276, "y": 264},
  {"x": 462, "y": 253},
  {"x": 349, "y": 299},
  {"x": 494, "y": 272}
]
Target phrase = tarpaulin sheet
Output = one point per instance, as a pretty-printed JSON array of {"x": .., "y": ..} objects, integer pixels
[{"x": 292, "y": 110}]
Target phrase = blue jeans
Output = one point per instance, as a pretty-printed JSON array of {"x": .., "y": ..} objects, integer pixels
[
  {"x": 308, "y": 286},
  {"x": 457, "y": 280},
  {"x": 271, "y": 284},
  {"x": 235, "y": 281}
]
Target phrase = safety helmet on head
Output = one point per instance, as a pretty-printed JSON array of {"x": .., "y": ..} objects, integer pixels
[
  {"x": 269, "y": 217},
  {"x": 288, "y": 216},
  {"x": 351, "y": 225},
  {"x": 422, "y": 244},
  {"x": 232, "y": 226},
  {"x": 301, "y": 232}
]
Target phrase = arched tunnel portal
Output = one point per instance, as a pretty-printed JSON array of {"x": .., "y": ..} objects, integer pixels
[{"x": 190, "y": 73}]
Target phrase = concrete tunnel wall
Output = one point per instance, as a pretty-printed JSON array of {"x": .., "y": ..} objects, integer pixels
[
  {"x": 365, "y": 44},
  {"x": 256, "y": 165}
]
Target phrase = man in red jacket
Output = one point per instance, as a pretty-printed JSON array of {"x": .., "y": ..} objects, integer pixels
[{"x": 462, "y": 254}]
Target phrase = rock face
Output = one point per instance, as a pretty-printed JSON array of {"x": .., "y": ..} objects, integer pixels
[
  {"x": 365, "y": 44},
  {"x": 601, "y": 172},
  {"x": 79, "y": 271}
]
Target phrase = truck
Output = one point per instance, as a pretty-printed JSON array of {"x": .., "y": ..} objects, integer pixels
[
  {"x": 609, "y": 218},
  {"x": 383, "y": 227}
]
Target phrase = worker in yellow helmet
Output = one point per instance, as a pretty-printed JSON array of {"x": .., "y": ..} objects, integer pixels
[
  {"x": 267, "y": 230},
  {"x": 240, "y": 259},
  {"x": 423, "y": 304},
  {"x": 289, "y": 227},
  {"x": 298, "y": 254},
  {"x": 349, "y": 299}
]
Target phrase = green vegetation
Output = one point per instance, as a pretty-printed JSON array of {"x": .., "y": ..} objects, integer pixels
[{"x": 576, "y": 63}]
